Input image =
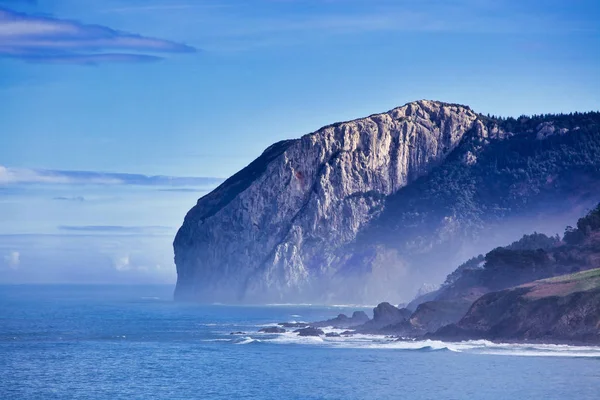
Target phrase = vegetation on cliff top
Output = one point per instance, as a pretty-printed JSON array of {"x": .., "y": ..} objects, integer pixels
[{"x": 533, "y": 257}]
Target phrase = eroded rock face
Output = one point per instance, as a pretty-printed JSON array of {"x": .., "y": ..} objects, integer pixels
[
  {"x": 271, "y": 231},
  {"x": 367, "y": 210}
]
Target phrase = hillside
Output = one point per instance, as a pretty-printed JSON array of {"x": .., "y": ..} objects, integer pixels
[{"x": 560, "y": 309}]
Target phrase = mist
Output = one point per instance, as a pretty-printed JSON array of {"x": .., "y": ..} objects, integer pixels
[{"x": 91, "y": 227}]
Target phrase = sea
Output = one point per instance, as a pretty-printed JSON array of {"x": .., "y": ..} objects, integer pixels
[{"x": 135, "y": 342}]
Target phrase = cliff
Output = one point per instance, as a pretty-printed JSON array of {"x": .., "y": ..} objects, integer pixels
[{"x": 354, "y": 211}]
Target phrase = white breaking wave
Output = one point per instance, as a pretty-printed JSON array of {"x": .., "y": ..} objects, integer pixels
[
  {"x": 247, "y": 340},
  {"x": 365, "y": 341}
]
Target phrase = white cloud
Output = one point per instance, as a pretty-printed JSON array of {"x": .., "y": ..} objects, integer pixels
[
  {"x": 47, "y": 39},
  {"x": 122, "y": 263},
  {"x": 13, "y": 259},
  {"x": 25, "y": 175},
  {"x": 10, "y": 175}
]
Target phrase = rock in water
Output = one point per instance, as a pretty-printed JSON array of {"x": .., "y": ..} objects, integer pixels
[
  {"x": 293, "y": 324},
  {"x": 347, "y": 213},
  {"x": 359, "y": 317},
  {"x": 385, "y": 315},
  {"x": 342, "y": 320},
  {"x": 310, "y": 331},
  {"x": 272, "y": 329}
]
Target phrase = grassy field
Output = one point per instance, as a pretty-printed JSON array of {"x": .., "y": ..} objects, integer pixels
[{"x": 565, "y": 284}]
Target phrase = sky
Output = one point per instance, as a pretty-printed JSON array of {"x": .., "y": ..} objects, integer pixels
[{"x": 117, "y": 115}]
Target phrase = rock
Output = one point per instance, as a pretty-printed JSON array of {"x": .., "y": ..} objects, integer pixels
[
  {"x": 432, "y": 315},
  {"x": 238, "y": 333},
  {"x": 272, "y": 329},
  {"x": 293, "y": 324},
  {"x": 385, "y": 312},
  {"x": 342, "y": 321},
  {"x": 332, "y": 334},
  {"x": 358, "y": 210},
  {"x": 347, "y": 333},
  {"x": 385, "y": 315},
  {"x": 359, "y": 317},
  {"x": 310, "y": 331}
]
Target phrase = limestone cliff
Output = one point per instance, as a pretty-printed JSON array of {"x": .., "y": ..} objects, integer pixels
[{"x": 287, "y": 227}]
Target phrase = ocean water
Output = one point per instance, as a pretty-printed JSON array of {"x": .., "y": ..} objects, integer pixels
[{"x": 117, "y": 342}]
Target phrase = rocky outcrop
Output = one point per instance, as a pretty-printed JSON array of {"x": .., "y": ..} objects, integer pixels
[
  {"x": 561, "y": 309},
  {"x": 293, "y": 324},
  {"x": 432, "y": 315},
  {"x": 310, "y": 331},
  {"x": 343, "y": 321},
  {"x": 272, "y": 329},
  {"x": 385, "y": 315},
  {"x": 351, "y": 212}
]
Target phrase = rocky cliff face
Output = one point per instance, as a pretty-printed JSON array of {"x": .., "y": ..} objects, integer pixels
[{"x": 287, "y": 227}]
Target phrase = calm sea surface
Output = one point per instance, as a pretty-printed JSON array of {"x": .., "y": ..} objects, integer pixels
[{"x": 116, "y": 342}]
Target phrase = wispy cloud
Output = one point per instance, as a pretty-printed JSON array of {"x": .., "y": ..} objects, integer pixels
[
  {"x": 126, "y": 262},
  {"x": 45, "y": 39},
  {"x": 162, "y": 7},
  {"x": 19, "y": 1},
  {"x": 79, "y": 199},
  {"x": 31, "y": 176},
  {"x": 13, "y": 259}
]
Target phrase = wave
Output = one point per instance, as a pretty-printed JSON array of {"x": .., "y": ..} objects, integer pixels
[
  {"x": 246, "y": 340},
  {"x": 368, "y": 341},
  {"x": 527, "y": 349},
  {"x": 484, "y": 347}
]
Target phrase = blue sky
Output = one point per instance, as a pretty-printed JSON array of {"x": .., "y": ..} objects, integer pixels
[{"x": 198, "y": 89}]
